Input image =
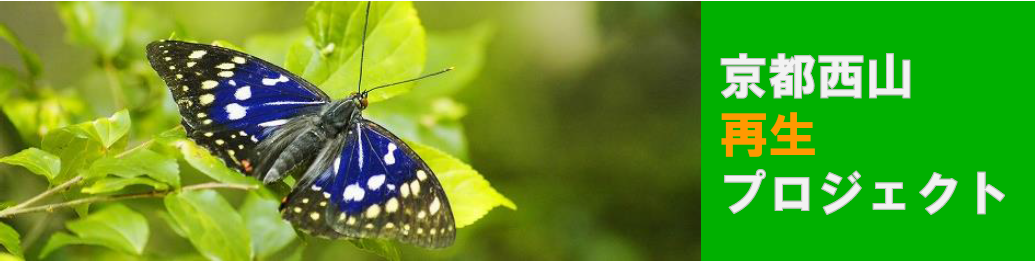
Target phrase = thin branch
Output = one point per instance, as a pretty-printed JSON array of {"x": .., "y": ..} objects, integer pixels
[
  {"x": 145, "y": 144},
  {"x": 45, "y": 194},
  {"x": 24, "y": 206},
  {"x": 100, "y": 199}
]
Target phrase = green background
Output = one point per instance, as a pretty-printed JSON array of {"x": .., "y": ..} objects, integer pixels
[{"x": 969, "y": 112}]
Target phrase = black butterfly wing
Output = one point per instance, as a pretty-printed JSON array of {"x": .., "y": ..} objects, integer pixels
[
  {"x": 230, "y": 101},
  {"x": 368, "y": 183}
]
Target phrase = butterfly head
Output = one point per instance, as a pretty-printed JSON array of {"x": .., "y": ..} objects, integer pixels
[{"x": 360, "y": 100}]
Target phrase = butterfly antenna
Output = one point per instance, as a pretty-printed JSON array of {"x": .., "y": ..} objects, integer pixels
[
  {"x": 363, "y": 48},
  {"x": 411, "y": 80}
]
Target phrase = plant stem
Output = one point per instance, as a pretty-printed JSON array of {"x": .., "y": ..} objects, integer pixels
[
  {"x": 24, "y": 206},
  {"x": 98, "y": 199},
  {"x": 45, "y": 194},
  {"x": 145, "y": 144}
]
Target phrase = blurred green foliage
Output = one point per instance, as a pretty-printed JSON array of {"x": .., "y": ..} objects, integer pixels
[{"x": 585, "y": 114}]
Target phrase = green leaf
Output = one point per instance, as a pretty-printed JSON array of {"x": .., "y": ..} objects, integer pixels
[
  {"x": 11, "y": 240},
  {"x": 113, "y": 184},
  {"x": 116, "y": 227},
  {"x": 168, "y": 137},
  {"x": 303, "y": 56},
  {"x": 31, "y": 61},
  {"x": 463, "y": 49},
  {"x": 380, "y": 247},
  {"x": 470, "y": 195},
  {"x": 36, "y": 118},
  {"x": 203, "y": 161},
  {"x": 270, "y": 233},
  {"x": 215, "y": 229},
  {"x": 273, "y": 47},
  {"x": 172, "y": 224},
  {"x": 137, "y": 163},
  {"x": 9, "y": 257},
  {"x": 81, "y": 144},
  {"x": 59, "y": 240},
  {"x": 76, "y": 151},
  {"x": 98, "y": 25},
  {"x": 395, "y": 47},
  {"x": 108, "y": 130},
  {"x": 37, "y": 161}
]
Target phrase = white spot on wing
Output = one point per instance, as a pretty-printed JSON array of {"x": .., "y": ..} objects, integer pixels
[
  {"x": 435, "y": 205},
  {"x": 390, "y": 157},
  {"x": 235, "y": 111},
  {"x": 197, "y": 54},
  {"x": 209, "y": 84},
  {"x": 226, "y": 74},
  {"x": 243, "y": 93},
  {"x": 337, "y": 165},
  {"x": 373, "y": 211},
  {"x": 225, "y": 66},
  {"x": 353, "y": 193},
  {"x": 392, "y": 205},
  {"x": 421, "y": 175},
  {"x": 274, "y": 81},
  {"x": 360, "y": 134},
  {"x": 206, "y": 99},
  {"x": 239, "y": 60},
  {"x": 273, "y": 123},
  {"x": 375, "y": 182},
  {"x": 292, "y": 103}
]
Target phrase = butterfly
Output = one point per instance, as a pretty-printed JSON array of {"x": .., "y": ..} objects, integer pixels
[{"x": 358, "y": 180}]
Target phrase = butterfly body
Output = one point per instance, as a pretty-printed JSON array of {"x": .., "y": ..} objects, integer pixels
[{"x": 358, "y": 180}]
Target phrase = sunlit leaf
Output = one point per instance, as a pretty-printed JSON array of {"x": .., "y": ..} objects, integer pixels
[
  {"x": 107, "y": 130},
  {"x": 31, "y": 61},
  {"x": 116, "y": 227},
  {"x": 304, "y": 58},
  {"x": 35, "y": 118},
  {"x": 273, "y": 47},
  {"x": 426, "y": 114},
  {"x": 138, "y": 163},
  {"x": 113, "y": 184},
  {"x": 270, "y": 233},
  {"x": 462, "y": 49},
  {"x": 37, "y": 161},
  {"x": 395, "y": 47},
  {"x": 98, "y": 25},
  {"x": 76, "y": 151},
  {"x": 11, "y": 240},
  {"x": 215, "y": 229},
  {"x": 470, "y": 195},
  {"x": 380, "y": 247},
  {"x": 81, "y": 144},
  {"x": 62, "y": 239},
  {"x": 9, "y": 257},
  {"x": 172, "y": 224}
]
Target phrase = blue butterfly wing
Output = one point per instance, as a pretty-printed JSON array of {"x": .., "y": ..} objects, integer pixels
[
  {"x": 368, "y": 183},
  {"x": 230, "y": 101}
]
